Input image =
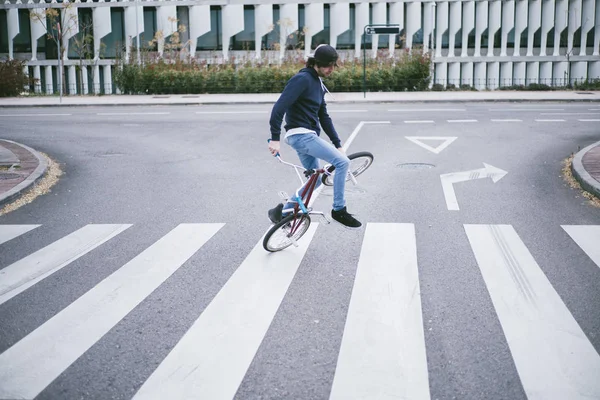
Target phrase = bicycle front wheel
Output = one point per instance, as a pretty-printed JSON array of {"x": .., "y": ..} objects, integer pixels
[
  {"x": 284, "y": 233},
  {"x": 359, "y": 162}
]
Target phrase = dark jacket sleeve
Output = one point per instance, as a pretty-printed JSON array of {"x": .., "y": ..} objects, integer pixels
[
  {"x": 327, "y": 125},
  {"x": 293, "y": 89}
]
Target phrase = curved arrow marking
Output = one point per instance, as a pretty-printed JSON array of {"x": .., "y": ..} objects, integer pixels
[{"x": 488, "y": 171}]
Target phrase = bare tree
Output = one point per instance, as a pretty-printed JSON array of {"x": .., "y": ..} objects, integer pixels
[{"x": 59, "y": 23}]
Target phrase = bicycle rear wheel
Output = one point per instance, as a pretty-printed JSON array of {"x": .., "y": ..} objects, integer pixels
[
  {"x": 359, "y": 162},
  {"x": 283, "y": 234}
]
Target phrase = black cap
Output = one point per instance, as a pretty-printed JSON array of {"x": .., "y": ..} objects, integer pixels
[{"x": 325, "y": 55}]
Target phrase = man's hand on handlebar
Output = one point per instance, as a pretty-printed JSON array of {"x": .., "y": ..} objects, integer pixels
[{"x": 274, "y": 147}]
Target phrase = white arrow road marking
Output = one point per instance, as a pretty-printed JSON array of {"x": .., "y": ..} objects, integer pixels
[
  {"x": 488, "y": 171},
  {"x": 446, "y": 142}
]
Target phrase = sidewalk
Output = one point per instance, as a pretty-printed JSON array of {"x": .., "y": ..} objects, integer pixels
[
  {"x": 270, "y": 98},
  {"x": 21, "y": 166}
]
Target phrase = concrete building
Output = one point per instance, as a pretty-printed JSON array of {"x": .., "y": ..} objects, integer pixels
[{"x": 485, "y": 44}]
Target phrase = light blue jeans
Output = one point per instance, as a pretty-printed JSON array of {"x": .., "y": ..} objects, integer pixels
[{"x": 311, "y": 148}]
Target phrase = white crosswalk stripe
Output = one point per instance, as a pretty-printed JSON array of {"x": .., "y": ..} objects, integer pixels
[
  {"x": 211, "y": 359},
  {"x": 553, "y": 356},
  {"x": 28, "y": 271},
  {"x": 34, "y": 362},
  {"x": 9, "y": 232},
  {"x": 383, "y": 344},
  {"x": 383, "y": 347},
  {"x": 588, "y": 238}
]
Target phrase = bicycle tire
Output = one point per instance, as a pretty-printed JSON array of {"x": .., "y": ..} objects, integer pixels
[
  {"x": 270, "y": 240},
  {"x": 363, "y": 159}
]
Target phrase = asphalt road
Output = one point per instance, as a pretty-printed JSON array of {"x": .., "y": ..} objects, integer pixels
[{"x": 491, "y": 294}]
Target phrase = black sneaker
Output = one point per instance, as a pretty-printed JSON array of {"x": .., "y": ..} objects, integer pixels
[
  {"x": 275, "y": 214},
  {"x": 345, "y": 219}
]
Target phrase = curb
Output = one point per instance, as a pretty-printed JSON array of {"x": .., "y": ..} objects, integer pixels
[
  {"x": 37, "y": 174},
  {"x": 586, "y": 181},
  {"x": 174, "y": 102}
]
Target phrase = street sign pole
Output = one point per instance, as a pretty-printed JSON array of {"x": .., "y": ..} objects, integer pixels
[{"x": 378, "y": 29}]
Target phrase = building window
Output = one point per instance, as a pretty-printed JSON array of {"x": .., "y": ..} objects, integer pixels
[
  {"x": 245, "y": 39},
  {"x": 345, "y": 41},
  {"x": 323, "y": 36},
  {"x": 147, "y": 36},
  {"x": 22, "y": 42},
  {"x": 212, "y": 40},
  {"x": 3, "y": 31},
  {"x": 81, "y": 46},
  {"x": 113, "y": 44}
]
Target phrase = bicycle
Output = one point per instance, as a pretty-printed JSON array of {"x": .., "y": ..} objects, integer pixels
[{"x": 292, "y": 227}]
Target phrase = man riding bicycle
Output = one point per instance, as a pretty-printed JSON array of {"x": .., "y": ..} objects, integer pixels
[{"x": 303, "y": 103}]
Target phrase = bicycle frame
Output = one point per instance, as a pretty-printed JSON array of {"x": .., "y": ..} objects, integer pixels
[{"x": 302, "y": 200}]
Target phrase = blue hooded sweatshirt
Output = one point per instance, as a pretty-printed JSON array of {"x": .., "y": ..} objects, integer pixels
[{"x": 303, "y": 103}]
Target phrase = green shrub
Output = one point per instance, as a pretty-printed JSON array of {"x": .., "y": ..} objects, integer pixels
[
  {"x": 406, "y": 73},
  {"x": 12, "y": 78}
]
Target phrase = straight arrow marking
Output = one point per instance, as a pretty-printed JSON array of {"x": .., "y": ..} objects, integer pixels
[
  {"x": 446, "y": 142},
  {"x": 488, "y": 171}
]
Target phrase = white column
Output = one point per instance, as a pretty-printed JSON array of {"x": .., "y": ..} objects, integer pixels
[
  {"x": 133, "y": 26},
  {"x": 37, "y": 88},
  {"x": 263, "y": 24},
  {"x": 508, "y": 23},
  {"x": 560, "y": 23},
  {"x": 466, "y": 72},
  {"x": 379, "y": 17},
  {"x": 454, "y": 74},
  {"x": 84, "y": 80},
  {"x": 519, "y": 73},
  {"x": 314, "y": 22},
  {"x": 441, "y": 25},
  {"x": 533, "y": 72},
  {"x": 535, "y": 21},
  {"x": 233, "y": 23},
  {"x": 96, "y": 69},
  {"x": 520, "y": 24},
  {"x": 574, "y": 21},
  {"x": 480, "y": 75},
  {"x": 597, "y": 32},
  {"x": 288, "y": 23},
  {"x": 587, "y": 24},
  {"x": 506, "y": 74},
  {"x": 441, "y": 73},
  {"x": 165, "y": 15},
  {"x": 102, "y": 27},
  {"x": 339, "y": 17},
  {"x": 49, "y": 89},
  {"x": 455, "y": 25},
  {"x": 199, "y": 25},
  {"x": 107, "y": 79},
  {"x": 495, "y": 14},
  {"x": 427, "y": 24},
  {"x": 481, "y": 24},
  {"x": 71, "y": 21},
  {"x": 362, "y": 19},
  {"x": 396, "y": 17},
  {"x": 493, "y": 75},
  {"x": 468, "y": 23},
  {"x": 72, "y": 89},
  {"x": 12, "y": 19},
  {"x": 546, "y": 73},
  {"x": 560, "y": 73},
  {"x": 594, "y": 70},
  {"x": 578, "y": 71},
  {"x": 547, "y": 24},
  {"x": 413, "y": 21},
  {"x": 37, "y": 31}
]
